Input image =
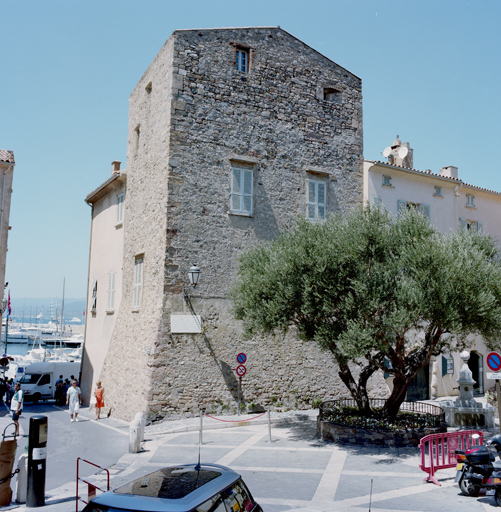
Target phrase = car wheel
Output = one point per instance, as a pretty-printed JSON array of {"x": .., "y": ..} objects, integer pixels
[{"x": 36, "y": 398}]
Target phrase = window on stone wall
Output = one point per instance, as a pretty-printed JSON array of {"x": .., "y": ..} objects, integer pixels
[
  {"x": 332, "y": 95},
  {"x": 242, "y": 59},
  {"x": 137, "y": 133},
  {"x": 138, "y": 282},
  {"x": 316, "y": 199},
  {"x": 242, "y": 189}
]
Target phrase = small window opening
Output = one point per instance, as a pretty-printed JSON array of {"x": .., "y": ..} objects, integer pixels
[
  {"x": 470, "y": 200},
  {"x": 386, "y": 181},
  {"x": 137, "y": 132},
  {"x": 242, "y": 59},
  {"x": 332, "y": 95},
  {"x": 438, "y": 191},
  {"x": 149, "y": 88}
]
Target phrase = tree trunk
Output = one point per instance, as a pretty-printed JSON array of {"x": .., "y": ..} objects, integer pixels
[
  {"x": 390, "y": 410},
  {"x": 358, "y": 390}
]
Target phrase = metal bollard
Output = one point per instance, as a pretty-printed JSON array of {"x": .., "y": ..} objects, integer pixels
[
  {"x": 142, "y": 419},
  {"x": 135, "y": 436},
  {"x": 22, "y": 479}
]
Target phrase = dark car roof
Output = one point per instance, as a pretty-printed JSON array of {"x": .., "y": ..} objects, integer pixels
[{"x": 171, "y": 489}]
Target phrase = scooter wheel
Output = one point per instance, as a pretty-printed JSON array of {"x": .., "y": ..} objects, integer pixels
[
  {"x": 468, "y": 488},
  {"x": 497, "y": 497}
]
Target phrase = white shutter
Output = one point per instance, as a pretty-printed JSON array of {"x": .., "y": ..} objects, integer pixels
[
  {"x": 480, "y": 227},
  {"x": 426, "y": 210},
  {"x": 138, "y": 282},
  {"x": 111, "y": 291},
  {"x": 321, "y": 196},
  {"x": 120, "y": 208},
  {"x": 93, "y": 304},
  {"x": 247, "y": 191},
  {"x": 242, "y": 190},
  {"x": 462, "y": 223},
  {"x": 236, "y": 197}
]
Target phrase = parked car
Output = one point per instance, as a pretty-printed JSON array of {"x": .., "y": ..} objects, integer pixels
[{"x": 184, "y": 488}]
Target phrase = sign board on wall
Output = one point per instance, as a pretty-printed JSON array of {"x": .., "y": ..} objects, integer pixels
[{"x": 185, "y": 324}]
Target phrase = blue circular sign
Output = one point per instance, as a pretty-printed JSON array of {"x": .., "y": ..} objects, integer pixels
[
  {"x": 241, "y": 358},
  {"x": 494, "y": 361}
]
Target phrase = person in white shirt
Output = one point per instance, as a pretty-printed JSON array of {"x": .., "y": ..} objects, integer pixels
[
  {"x": 74, "y": 399},
  {"x": 16, "y": 405}
]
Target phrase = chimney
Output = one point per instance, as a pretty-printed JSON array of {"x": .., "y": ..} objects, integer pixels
[
  {"x": 449, "y": 172},
  {"x": 115, "y": 167}
]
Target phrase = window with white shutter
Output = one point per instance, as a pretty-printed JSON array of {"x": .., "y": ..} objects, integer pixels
[
  {"x": 316, "y": 199},
  {"x": 138, "y": 282},
  {"x": 111, "y": 291},
  {"x": 93, "y": 301},
  {"x": 242, "y": 185},
  {"x": 120, "y": 208}
]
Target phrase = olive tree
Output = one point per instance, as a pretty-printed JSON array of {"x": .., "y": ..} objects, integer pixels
[{"x": 377, "y": 291}]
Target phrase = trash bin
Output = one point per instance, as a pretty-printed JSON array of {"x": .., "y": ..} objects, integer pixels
[{"x": 8, "y": 448}]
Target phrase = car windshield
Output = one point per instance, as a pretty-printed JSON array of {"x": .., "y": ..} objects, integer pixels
[{"x": 30, "y": 378}]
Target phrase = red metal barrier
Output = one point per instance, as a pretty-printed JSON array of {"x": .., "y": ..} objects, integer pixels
[
  {"x": 440, "y": 449},
  {"x": 91, "y": 488}
]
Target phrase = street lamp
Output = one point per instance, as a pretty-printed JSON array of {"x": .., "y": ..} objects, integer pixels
[{"x": 193, "y": 275}]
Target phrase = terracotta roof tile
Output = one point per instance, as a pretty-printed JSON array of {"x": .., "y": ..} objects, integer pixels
[{"x": 7, "y": 156}]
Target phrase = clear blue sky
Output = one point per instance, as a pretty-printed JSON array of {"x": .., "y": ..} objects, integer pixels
[{"x": 430, "y": 69}]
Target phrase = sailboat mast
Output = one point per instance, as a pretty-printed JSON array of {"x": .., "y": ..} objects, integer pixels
[{"x": 62, "y": 311}]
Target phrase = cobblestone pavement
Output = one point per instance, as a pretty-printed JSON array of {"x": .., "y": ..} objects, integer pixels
[{"x": 292, "y": 472}]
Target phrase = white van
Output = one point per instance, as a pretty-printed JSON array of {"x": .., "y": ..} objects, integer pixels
[{"x": 39, "y": 380}]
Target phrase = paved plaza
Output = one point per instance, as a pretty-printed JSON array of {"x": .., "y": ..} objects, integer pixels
[{"x": 292, "y": 472}]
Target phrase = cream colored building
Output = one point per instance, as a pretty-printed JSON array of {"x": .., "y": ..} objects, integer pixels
[
  {"x": 6, "y": 176},
  {"x": 448, "y": 202},
  {"x": 105, "y": 271}
]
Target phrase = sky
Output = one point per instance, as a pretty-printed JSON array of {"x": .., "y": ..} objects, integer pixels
[{"x": 430, "y": 73}]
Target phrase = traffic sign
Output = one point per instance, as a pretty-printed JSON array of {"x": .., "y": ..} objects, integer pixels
[
  {"x": 241, "y": 358},
  {"x": 241, "y": 370},
  {"x": 493, "y": 375},
  {"x": 494, "y": 361}
]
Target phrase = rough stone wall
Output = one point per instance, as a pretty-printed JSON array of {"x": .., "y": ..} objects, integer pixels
[
  {"x": 199, "y": 118},
  {"x": 125, "y": 374}
]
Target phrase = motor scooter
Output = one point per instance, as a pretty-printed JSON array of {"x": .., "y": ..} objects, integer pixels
[{"x": 477, "y": 469}]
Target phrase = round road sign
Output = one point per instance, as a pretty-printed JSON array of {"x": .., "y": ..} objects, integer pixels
[
  {"x": 241, "y": 358},
  {"x": 241, "y": 370},
  {"x": 494, "y": 361}
]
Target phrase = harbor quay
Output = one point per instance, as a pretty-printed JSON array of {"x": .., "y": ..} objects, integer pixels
[{"x": 286, "y": 467}]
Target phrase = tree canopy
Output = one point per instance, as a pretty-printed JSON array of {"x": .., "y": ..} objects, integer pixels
[{"x": 383, "y": 292}]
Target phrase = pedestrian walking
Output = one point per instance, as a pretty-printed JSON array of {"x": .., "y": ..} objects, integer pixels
[
  {"x": 99, "y": 394},
  {"x": 74, "y": 400},
  {"x": 16, "y": 405}
]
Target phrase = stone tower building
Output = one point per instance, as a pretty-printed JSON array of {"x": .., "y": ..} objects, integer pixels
[{"x": 233, "y": 134}]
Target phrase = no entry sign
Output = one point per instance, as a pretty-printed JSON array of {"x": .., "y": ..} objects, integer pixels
[
  {"x": 241, "y": 369},
  {"x": 494, "y": 361}
]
